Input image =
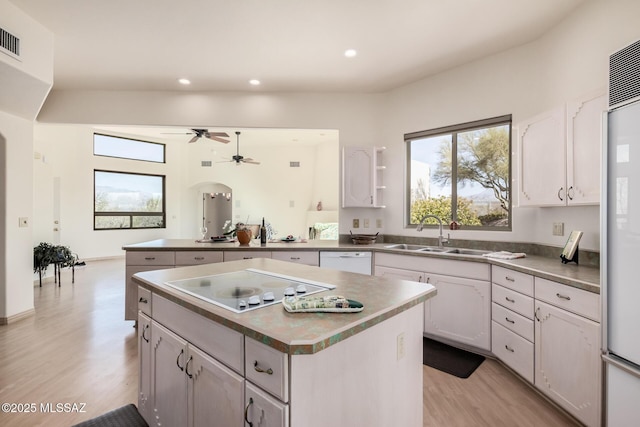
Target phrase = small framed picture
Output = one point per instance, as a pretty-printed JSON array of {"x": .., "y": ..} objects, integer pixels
[{"x": 569, "y": 251}]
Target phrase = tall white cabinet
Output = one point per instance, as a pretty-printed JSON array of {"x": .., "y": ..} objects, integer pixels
[
  {"x": 362, "y": 180},
  {"x": 559, "y": 154}
]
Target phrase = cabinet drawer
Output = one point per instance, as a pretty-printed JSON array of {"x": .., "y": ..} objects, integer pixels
[
  {"x": 513, "y": 350},
  {"x": 221, "y": 342},
  {"x": 198, "y": 257},
  {"x": 513, "y": 321},
  {"x": 144, "y": 300},
  {"x": 238, "y": 255},
  {"x": 576, "y": 300},
  {"x": 262, "y": 409},
  {"x": 511, "y": 279},
  {"x": 308, "y": 258},
  {"x": 151, "y": 258},
  {"x": 512, "y": 300},
  {"x": 448, "y": 267},
  {"x": 267, "y": 367}
]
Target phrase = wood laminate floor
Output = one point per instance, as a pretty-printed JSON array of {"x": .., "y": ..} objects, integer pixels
[{"x": 76, "y": 358}]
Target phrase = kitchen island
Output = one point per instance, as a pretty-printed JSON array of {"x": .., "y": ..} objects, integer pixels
[{"x": 271, "y": 367}]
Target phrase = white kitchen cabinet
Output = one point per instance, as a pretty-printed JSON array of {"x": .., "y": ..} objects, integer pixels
[
  {"x": 263, "y": 410},
  {"x": 298, "y": 257},
  {"x": 136, "y": 262},
  {"x": 461, "y": 311},
  {"x": 362, "y": 179},
  {"x": 144, "y": 367},
  {"x": 559, "y": 154},
  {"x": 248, "y": 254},
  {"x": 190, "y": 388},
  {"x": 512, "y": 328},
  {"x": 567, "y": 355}
]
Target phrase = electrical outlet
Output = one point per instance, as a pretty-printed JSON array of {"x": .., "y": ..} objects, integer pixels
[
  {"x": 558, "y": 228},
  {"x": 400, "y": 346},
  {"x": 356, "y": 223},
  {"x": 379, "y": 223},
  {"x": 365, "y": 223}
]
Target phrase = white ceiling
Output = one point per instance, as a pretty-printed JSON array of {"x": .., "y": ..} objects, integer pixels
[{"x": 290, "y": 45}]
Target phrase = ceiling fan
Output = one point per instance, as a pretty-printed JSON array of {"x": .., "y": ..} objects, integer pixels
[
  {"x": 241, "y": 159},
  {"x": 199, "y": 133}
]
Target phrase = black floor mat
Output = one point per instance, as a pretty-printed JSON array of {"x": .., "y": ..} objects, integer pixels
[{"x": 449, "y": 359}]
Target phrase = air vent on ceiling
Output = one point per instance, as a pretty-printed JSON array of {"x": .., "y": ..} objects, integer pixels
[
  {"x": 206, "y": 163},
  {"x": 624, "y": 75},
  {"x": 294, "y": 164},
  {"x": 9, "y": 43}
]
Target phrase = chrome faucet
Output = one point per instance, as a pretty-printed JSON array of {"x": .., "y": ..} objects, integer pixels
[{"x": 441, "y": 239}]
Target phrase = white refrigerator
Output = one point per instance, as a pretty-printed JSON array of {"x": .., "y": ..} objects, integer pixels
[{"x": 620, "y": 275}]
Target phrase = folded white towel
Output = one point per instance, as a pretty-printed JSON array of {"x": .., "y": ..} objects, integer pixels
[{"x": 505, "y": 255}]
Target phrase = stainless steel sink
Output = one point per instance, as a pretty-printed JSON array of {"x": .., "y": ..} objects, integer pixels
[
  {"x": 406, "y": 247},
  {"x": 462, "y": 251},
  {"x": 446, "y": 250}
]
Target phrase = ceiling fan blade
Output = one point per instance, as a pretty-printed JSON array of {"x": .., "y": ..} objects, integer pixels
[
  {"x": 251, "y": 161},
  {"x": 215, "y": 138},
  {"x": 226, "y": 135},
  {"x": 194, "y": 139}
]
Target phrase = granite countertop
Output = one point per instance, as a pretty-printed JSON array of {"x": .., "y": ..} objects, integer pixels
[
  {"x": 579, "y": 276},
  {"x": 296, "y": 333}
]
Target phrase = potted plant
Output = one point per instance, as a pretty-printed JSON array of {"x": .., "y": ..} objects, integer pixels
[{"x": 42, "y": 257}]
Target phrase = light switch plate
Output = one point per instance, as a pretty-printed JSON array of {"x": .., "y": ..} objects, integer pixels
[
  {"x": 356, "y": 223},
  {"x": 23, "y": 221},
  {"x": 558, "y": 228}
]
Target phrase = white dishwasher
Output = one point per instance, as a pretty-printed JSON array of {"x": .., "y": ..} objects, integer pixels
[{"x": 355, "y": 262}]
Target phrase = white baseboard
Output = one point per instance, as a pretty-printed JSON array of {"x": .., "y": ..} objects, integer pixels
[{"x": 16, "y": 317}]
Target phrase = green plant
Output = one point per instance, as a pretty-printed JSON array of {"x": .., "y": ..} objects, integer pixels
[{"x": 45, "y": 254}]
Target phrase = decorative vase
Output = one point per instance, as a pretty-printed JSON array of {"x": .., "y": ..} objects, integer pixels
[
  {"x": 319, "y": 206},
  {"x": 243, "y": 236}
]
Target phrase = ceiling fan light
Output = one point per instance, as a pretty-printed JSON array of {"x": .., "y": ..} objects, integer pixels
[
  {"x": 184, "y": 81},
  {"x": 254, "y": 82}
]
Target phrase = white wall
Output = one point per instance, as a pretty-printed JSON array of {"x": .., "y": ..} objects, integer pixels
[{"x": 567, "y": 62}]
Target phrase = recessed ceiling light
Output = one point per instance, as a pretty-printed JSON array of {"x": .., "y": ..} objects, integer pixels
[
  {"x": 184, "y": 81},
  {"x": 350, "y": 53},
  {"x": 254, "y": 82}
]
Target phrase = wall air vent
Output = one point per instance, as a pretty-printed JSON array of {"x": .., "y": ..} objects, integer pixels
[
  {"x": 624, "y": 75},
  {"x": 294, "y": 164},
  {"x": 206, "y": 163},
  {"x": 9, "y": 44}
]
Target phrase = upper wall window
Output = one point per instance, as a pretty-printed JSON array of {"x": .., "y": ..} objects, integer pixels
[
  {"x": 128, "y": 200},
  {"x": 461, "y": 173},
  {"x": 124, "y": 148}
]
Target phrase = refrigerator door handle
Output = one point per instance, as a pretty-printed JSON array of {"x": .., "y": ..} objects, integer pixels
[{"x": 625, "y": 366}]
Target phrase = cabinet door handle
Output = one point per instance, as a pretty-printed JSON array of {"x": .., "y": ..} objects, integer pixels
[
  {"x": 559, "y": 295},
  {"x": 509, "y": 320},
  {"x": 247, "y": 257},
  {"x": 295, "y": 258},
  {"x": 535, "y": 314},
  {"x": 186, "y": 368},
  {"x": 143, "y": 300},
  {"x": 144, "y": 330},
  {"x": 509, "y": 348},
  {"x": 149, "y": 258},
  {"x": 178, "y": 360},
  {"x": 570, "y": 193},
  {"x": 510, "y": 300},
  {"x": 559, "y": 196},
  {"x": 198, "y": 258},
  {"x": 269, "y": 371},
  {"x": 246, "y": 412},
  {"x": 428, "y": 280},
  {"x": 509, "y": 279}
]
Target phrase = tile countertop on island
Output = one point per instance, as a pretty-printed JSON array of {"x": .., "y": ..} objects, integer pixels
[
  {"x": 579, "y": 276},
  {"x": 296, "y": 333}
]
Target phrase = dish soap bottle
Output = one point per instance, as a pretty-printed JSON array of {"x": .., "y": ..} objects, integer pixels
[{"x": 263, "y": 234}]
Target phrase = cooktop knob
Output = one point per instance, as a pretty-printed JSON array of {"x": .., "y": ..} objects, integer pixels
[
  {"x": 268, "y": 296},
  {"x": 242, "y": 303},
  {"x": 254, "y": 300},
  {"x": 301, "y": 289},
  {"x": 289, "y": 292}
]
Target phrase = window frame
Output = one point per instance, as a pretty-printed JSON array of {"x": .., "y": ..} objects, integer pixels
[
  {"x": 164, "y": 148},
  {"x": 131, "y": 214},
  {"x": 454, "y": 130}
]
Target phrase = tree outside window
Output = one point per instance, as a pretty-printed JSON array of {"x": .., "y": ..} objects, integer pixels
[{"x": 461, "y": 173}]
